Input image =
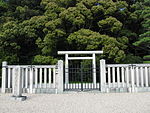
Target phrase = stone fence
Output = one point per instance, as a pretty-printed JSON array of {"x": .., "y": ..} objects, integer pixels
[
  {"x": 49, "y": 78},
  {"x": 32, "y": 78}
]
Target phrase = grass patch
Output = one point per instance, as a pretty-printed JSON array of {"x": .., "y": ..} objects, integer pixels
[{"x": 146, "y": 62}]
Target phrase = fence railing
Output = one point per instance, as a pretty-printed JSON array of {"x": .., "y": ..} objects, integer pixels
[
  {"x": 49, "y": 78},
  {"x": 35, "y": 78},
  {"x": 126, "y": 77}
]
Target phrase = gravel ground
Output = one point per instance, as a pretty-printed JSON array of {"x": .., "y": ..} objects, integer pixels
[{"x": 82, "y": 102}]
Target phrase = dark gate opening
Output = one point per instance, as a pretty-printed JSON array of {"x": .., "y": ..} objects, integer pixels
[{"x": 81, "y": 77}]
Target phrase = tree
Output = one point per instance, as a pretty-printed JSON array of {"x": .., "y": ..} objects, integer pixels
[
  {"x": 143, "y": 43},
  {"x": 85, "y": 39},
  {"x": 32, "y": 31},
  {"x": 3, "y": 7},
  {"x": 8, "y": 43}
]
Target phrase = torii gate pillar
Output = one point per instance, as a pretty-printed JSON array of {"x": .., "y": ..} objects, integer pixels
[{"x": 67, "y": 58}]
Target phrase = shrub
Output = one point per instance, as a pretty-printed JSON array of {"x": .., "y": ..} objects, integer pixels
[{"x": 130, "y": 59}]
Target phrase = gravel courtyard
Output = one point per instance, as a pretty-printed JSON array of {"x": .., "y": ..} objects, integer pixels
[{"x": 82, "y": 102}]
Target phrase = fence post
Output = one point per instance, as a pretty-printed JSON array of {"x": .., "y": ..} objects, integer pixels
[
  {"x": 59, "y": 77},
  {"x": 103, "y": 75},
  {"x": 4, "y": 64},
  {"x": 17, "y": 84},
  {"x": 31, "y": 80},
  {"x": 17, "y": 80},
  {"x": 132, "y": 79}
]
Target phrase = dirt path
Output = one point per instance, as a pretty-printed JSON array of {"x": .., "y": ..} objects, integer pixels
[{"x": 78, "y": 103}]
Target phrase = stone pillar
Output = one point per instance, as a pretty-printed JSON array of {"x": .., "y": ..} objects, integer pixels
[
  {"x": 4, "y": 74},
  {"x": 59, "y": 77},
  {"x": 66, "y": 69},
  {"x": 31, "y": 80},
  {"x": 17, "y": 80},
  {"x": 132, "y": 80},
  {"x": 103, "y": 75},
  {"x": 17, "y": 84}
]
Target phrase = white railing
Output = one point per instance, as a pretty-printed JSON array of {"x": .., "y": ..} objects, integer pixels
[
  {"x": 46, "y": 78},
  {"x": 35, "y": 78},
  {"x": 126, "y": 77}
]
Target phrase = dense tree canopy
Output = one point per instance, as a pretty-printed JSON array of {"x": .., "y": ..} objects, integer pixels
[
  {"x": 32, "y": 31},
  {"x": 144, "y": 38}
]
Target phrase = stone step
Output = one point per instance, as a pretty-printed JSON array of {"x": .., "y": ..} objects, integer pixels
[
  {"x": 44, "y": 90},
  {"x": 37, "y": 90}
]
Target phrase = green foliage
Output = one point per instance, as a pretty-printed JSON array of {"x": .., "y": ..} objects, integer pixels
[
  {"x": 146, "y": 62},
  {"x": 85, "y": 39},
  {"x": 32, "y": 31},
  {"x": 24, "y": 13},
  {"x": 131, "y": 59},
  {"x": 144, "y": 39},
  {"x": 8, "y": 44},
  {"x": 73, "y": 16},
  {"x": 147, "y": 57},
  {"x": 3, "y": 7},
  {"x": 110, "y": 24},
  {"x": 38, "y": 59}
]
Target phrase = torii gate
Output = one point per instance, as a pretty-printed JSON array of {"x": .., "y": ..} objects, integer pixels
[{"x": 93, "y": 58}]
